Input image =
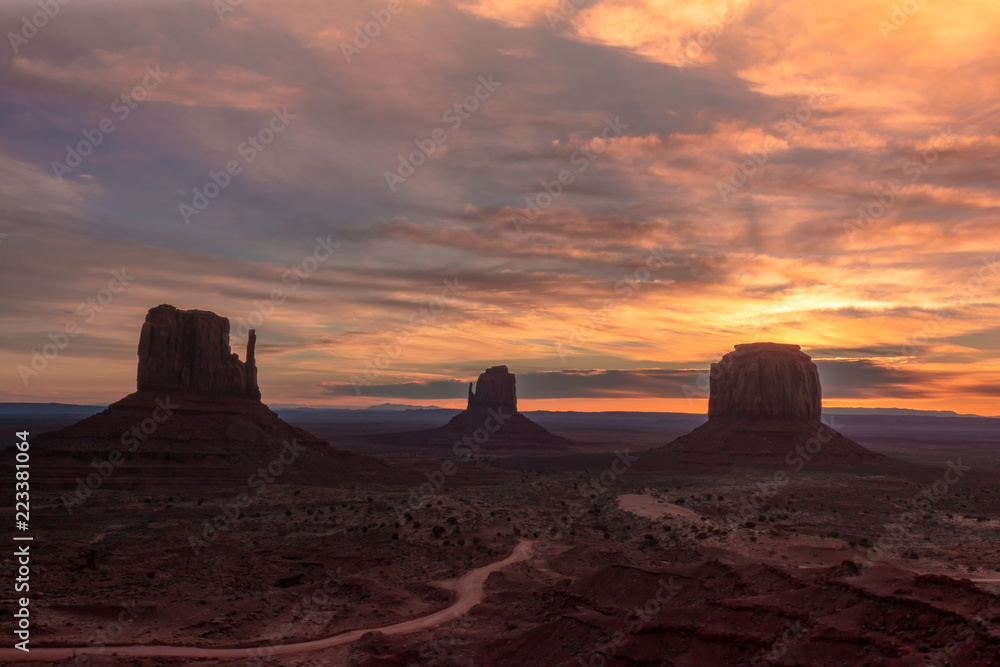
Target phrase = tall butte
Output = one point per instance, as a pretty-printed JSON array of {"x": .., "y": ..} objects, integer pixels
[
  {"x": 188, "y": 351},
  {"x": 496, "y": 388},
  {"x": 492, "y": 412},
  {"x": 765, "y": 402},
  {"x": 196, "y": 417}
]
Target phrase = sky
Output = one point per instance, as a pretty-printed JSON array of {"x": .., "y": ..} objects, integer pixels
[{"x": 604, "y": 195}]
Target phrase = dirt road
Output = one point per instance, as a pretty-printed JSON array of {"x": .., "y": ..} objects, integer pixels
[{"x": 469, "y": 590}]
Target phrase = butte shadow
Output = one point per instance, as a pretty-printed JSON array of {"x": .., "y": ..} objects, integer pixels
[
  {"x": 764, "y": 407},
  {"x": 196, "y": 418}
]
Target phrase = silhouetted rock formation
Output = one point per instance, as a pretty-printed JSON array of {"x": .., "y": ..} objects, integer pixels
[
  {"x": 188, "y": 350},
  {"x": 196, "y": 418},
  {"x": 765, "y": 381},
  {"x": 490, "y": 424},
  {"x": 496, "y": 388},
  {"x": 764, "y": 405},
  {"x": 493, "y": 410}
]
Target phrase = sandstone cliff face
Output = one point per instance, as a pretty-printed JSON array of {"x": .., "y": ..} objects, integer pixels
[
  {"x": 188, "y": 350},
  {"x": 765, "y": 381},
  {"x": 196, "y": 419},
  {"x": 495, "y": 388},
  {"x": 764, "y": 405},
  {"x": 492, "y": 418}
]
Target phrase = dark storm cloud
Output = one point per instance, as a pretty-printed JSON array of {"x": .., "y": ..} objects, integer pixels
[
  {"x": 987, "y": 340},
  {"x": 779, "y": 237},
  {"x": 635, "y": 383},
  {"x": 873, "y": 351},
  {"x": 862, "y": 378},
  {"x": 840, "y": 379}
]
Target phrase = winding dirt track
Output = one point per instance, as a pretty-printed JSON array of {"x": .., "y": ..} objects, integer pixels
[{"x": 469, "y": 589}]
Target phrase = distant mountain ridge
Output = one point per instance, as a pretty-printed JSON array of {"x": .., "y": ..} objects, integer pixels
[
  {"x": 33, "y": 409},
  {"x": 36, "y": 409},
  {"x": 902, "y": 412}
]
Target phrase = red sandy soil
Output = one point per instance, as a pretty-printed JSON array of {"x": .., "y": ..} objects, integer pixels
[{"x": 755, "y": 571}]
